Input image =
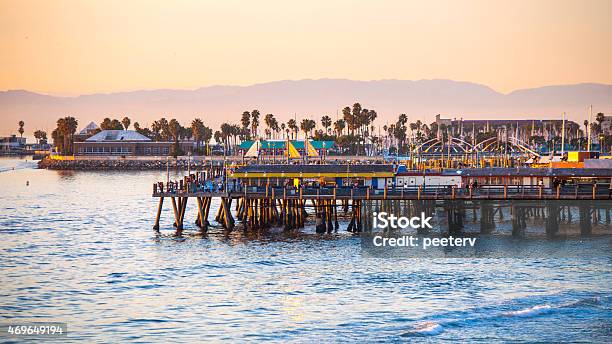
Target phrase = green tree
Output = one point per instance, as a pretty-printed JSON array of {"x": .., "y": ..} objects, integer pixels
[
  {"x": 40, "y": 136},
  {"x": 108, "y": 124},
  {"x": 21, "y": 131}
]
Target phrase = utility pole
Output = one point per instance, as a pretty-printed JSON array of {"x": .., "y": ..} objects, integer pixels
[
  {"x": 589, "y": 128},
  {"x": 563, "y": 136}
]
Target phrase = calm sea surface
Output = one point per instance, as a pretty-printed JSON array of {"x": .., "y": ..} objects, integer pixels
[{"x": 78, "y": 247}]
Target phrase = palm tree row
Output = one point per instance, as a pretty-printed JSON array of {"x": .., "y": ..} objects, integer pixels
[{"x": 354, "y": 133}]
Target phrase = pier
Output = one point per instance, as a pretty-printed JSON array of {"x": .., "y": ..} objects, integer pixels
[{"x": 265, "y": 196}]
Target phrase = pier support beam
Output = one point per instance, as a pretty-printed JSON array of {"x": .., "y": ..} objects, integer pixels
[
  {"x": 487, "y": 218},
  {"x": 159, "y": 210},
  {"x": 519, "y": 224},
  {"x": 585, "y": 218},
  {"x": 455, "y": 213},
  {"x": 552, "y": 219}
]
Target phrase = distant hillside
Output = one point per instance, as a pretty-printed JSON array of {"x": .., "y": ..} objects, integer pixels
[{"x": 421, "y": 99}]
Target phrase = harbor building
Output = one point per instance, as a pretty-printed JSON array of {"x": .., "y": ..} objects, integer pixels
[
  {"x": 121, "y": 142},
  {"x": 12, "y": 144},
  {"x": 127, "y": 143}
]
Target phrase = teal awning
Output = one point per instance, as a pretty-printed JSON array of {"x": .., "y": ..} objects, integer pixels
[{"x": 280, "y": 144}]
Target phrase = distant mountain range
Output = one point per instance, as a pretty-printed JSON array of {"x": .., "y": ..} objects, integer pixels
[{"x": 421, "y": 99}]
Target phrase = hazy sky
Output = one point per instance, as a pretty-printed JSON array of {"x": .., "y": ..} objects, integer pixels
[{"x": 75, "y": 47}]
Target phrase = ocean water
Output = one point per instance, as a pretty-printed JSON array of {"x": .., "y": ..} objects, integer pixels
[{"x": 77, "y": 247}]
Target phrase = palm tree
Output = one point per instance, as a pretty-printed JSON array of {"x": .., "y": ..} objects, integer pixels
[
  {"x": 207, "y": 135},
  {"x": 57, "y": 140},
  {"x": 400, "y": 134},
  {"x": 413, "y": 127},
  {"x": 292, "y": 125},
  {"x": 269, "y": 120},
  {"x": 197, "y": 128},
  {"x": 349, "y": 119},
  {"x": 254, "y": 122},
  {"x": 186, "y": 133},
  {"x": 356, "y": 115},
  {"x": 307, "y": 125},
  {"x": 275, "y": 128},
  {"x": 66, "y": 127},
  {"x": 21, "y": 131},
  {"x": 326, "y": 122},
  {"x": 339, "y": 126},
  {"x": 372, "y": 115},
  {"x": 246, "y": 119},
  {"x": 156, "y": 129},
  {"x": 61, "y": 135},
  {"x": 226, "y": 131},
  {"x": 174, "y": 129},
  {"x": 126, "y": 122},
  {"x": 235, "y": 132},
  {"x": 71, "y": 125},
  {"x": 165, "y": 129},
  {"x": 391, "y": 133},
  {"x": 600, "y": 117}
]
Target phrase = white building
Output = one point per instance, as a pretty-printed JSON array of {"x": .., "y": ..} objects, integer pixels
[{"x": 12, "y": 144}]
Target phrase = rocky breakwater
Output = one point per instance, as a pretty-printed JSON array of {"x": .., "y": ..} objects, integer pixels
[{"x": 118, "y": 164}]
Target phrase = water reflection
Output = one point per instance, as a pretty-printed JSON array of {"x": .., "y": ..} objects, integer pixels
[{"x": 78, "y": 247}]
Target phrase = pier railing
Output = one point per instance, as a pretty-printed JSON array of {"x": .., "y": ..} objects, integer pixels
[{"x": 574, "y": 191}]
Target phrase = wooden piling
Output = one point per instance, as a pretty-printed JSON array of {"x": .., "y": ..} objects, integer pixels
[{"x": 159, "y": 210}]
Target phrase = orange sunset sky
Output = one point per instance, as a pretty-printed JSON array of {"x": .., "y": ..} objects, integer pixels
[{"x": 77, "y": 47}]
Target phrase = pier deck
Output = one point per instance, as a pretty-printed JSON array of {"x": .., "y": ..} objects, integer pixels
[{"x": 493, "y": 192}]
